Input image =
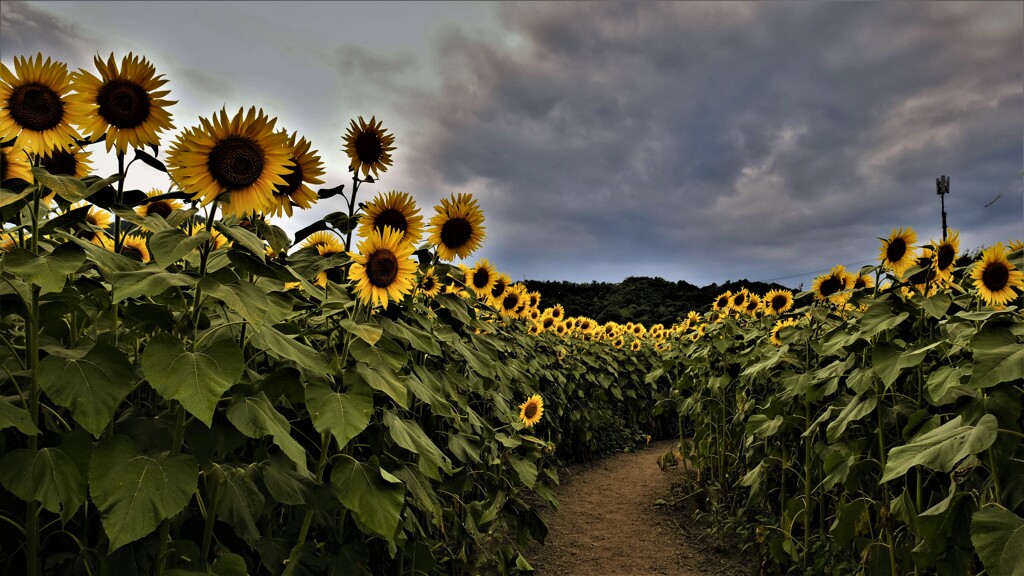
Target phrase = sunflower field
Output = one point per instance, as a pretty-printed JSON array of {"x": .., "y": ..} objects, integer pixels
[{"x": 188, "y": 389}]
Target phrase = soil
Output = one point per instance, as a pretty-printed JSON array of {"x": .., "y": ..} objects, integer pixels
[{"x": 614, "y": 519}]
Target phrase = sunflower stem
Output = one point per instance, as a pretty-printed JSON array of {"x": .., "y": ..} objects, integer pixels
[
  {"x": 351, "y": 211},
  {"x": 307, "y": 520},
  {"x": 118, "y": 200},
  {"x": 32, "y": 328}
]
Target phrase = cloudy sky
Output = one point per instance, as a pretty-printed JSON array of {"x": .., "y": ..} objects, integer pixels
[{"x": 695, "y": 141}]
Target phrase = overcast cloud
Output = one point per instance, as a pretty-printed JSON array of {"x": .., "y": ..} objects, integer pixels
[{"x": 696, "y": 141}]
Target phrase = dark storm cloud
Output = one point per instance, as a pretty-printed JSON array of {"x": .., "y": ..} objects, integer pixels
[
  {"x": 716, "y": 141},
  {"x": 26, "y": 27}
]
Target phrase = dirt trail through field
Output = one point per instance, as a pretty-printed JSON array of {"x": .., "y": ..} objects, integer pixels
[{"x": 613, "y": 521}]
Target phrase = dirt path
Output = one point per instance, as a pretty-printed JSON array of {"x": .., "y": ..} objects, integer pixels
[{"x": 612, "y": 521}]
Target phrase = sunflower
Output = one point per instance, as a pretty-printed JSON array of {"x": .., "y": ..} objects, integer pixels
[
  {"x": 897, "y": 252},
  {"x": 296, "y": 191},
  {"x": 556, "y": 312},
  {"x": 97, "y": 217},
  {"x": 618, "y": 342},
  {"x": 777, "y": 301},
  {"x": 126, "y": 105},
  {"x": 531, "y": 410},
  {"x": 584, "y": 324},
  {"x": 14, "y": 164},
  {"x": 995, "y": 277},
  {"x": 135, "y": 248},
  {"x": 534, "y": 299},
  {"x": 862, "y": 281},
  {"x": 457, "y": 228},
  {"x": 162, "y": 207},
  {"x": 738, "y": 301},
  {"x": 533, "y": 314},
  {"x": 369, "y": 147},
  {"x": 753, "y": 304},
  {"x": 501, "y": 283},
  {"x": 324, "y": 241},
  {"x": 560, "y": 328},
  {"x": 945, "y": 256},
  {"x": 635, "y": 345},
  {"x": 535, "y": 328},
  {"x": 383, "y": 269},
  {"x": 547, "y": 322},
  {"x": 570, "y": 323},
  {"x": 35, "y": 107},
  {"x": 428, "y": 284},
  {"x": 722, "y": 302},
  {"x": 829, "y": 287},
  {"x": 924, "y": 279},
  {"x": 70, "y": 162},
  {"x": 395, "y": 209},
  {"x": 219, "y": 240},
  {"x": 512, "y": 299},
  {"x": 777, "y": 329},
  {"x": 1016, "y": 245},
  {"x": 243, "y": 156},
  {"x": 481, "y": 277}
]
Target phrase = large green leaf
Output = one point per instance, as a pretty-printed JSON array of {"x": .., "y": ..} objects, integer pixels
[
  {"x": 170, "y": 246},
  {"x": 386, "y": 353},
  {"x": 91, "y": 386},
  {"x": 242, "y": 237},
  {"x": 343, "y": 414},
  {"x": 855, "y": 410},
  {"x": 195, "y": 379},
  {"x": 150, "y": 281},
  {"x": 103, "y": 257},
  {"x": 48, "y": 476},
  {"x": 384, "y": 379},
  {"x": 239, "y": 500},
  {"x": 369, "y": 333},
  {"x": 526, "y": 470},
  {"x": 942, "y": 448},
  {"x": 134, "y": 492},
  {"x": 372, "y": 494},
  {"x": 410, "y": 436},
  {"x": 48, "y": 271},
  {"x": 242, "y": 297},
  {"x": 889, "y": 360},
  {"x": 256, "y": 417},
  {"x": 998, "y": 538},
  {"x": 998, "y": 365},
  {"x": 286, "y": 348},
  {"x": 11, "y": 415},
  {"x": 418, "y": 339}
]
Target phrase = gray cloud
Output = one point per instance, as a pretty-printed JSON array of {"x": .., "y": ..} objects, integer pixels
[{"x": 26, "y": 27}]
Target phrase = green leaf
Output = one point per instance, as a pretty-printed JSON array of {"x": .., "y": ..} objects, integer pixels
[
  {"x": 410, "y": 436},
  {"x": 67, "y": 187},
  {"x": 367, "y": 332},
  {"x": 8, "y": 198},
  {"x": 170, "y": 246},
  {"x": 243, "y": 238},
  {"x": 103, "y": 257},
  {"x": 936, "y": 306},
  {"x": 878, "y": 318},
  {"x": 243, "y": 297},
  {"x": 91, "y": 386},
  {"x": 11, "y": 415},
  {"x": 195, "y": 379},
  {"x": 386, "y": 353},
  {"x": 146, "y": 282},
  {"x": 255, "y": 417},
  {"x": 284, "y": 347},
  {"x": 992, "y": 367},
  {"x": 384, "y": 379},
  {"x": 285, "y": 484},
  {"x": 939, "y": 389},
  {"x": 526, "y": 470},
  {"x": 343, "y": 414},
  {"x": 48, "y": 271},
  {"x": 134, "y": 492},
  {"x": 888, "y": 360},
  {"x": 855, "y": 410},
  {"x": 418, "y": 339},
  {"x": 372, "y": 495},
  {"x": 239, "y": 500},
  {"x": 851, "y": 521},
  {"x": 942, "y": 448},
  {"x": 993, "y": 530},
  {"x": 48, "y": 476},
  {"x": 760, "y": 426}
]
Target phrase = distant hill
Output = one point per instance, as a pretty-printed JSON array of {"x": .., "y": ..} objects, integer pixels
[{"x": 637, "y": 298}]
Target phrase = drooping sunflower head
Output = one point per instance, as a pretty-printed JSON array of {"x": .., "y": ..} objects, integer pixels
[
  {"x": 14, "y": 164},
  {"x": 830, "y": 287},
  {"x": 325, "y": 242},
  {"x": 72, "y": 161},
  {"x": 778, "y": 328},
  {"x": 96, "y": 216},
  {"x": 135, "y": 248},
  {"x": 36, "y": 107},
  {"x": 457, "y": 229},
  {"x": 307, "y": 170},
  {"x": 395, "y": 209},
  {"x": 924, "y": 280},
  {"x": 722, "y": 302},
  {"x": 862, "y": 280},
  {"x": 162, "y": 207},
  {"x": 481, "y": 277},
  {"x": 753, "y": 305},
  {"x": 531, "y": 411},
  {"x": 945, "y": 256},
  {"x": 501, "y": 284},
  {"x": 693, "y": 318},
  {"x": 535, "y": 329},
  {"x": 995, "y": 277},
  {"x": 897, "y": 252},
  {"x": 242, "y": 156},
  {"x": 383, "y": 269},
  {"x": 428, "y": 285},
  {"x": 369, "y": 146},
  {"x": 126, "y": 104}
]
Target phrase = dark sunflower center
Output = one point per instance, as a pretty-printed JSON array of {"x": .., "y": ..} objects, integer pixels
[
  {"x": 499, "y": 289},
  {"x": 236, "y": 162},
  {"x": 335, "y": 275},
  {"x": 548, "y": 322},
  {"x": 510, "y": 302},
  {"x": 946, "y": 256},
  {"x": 779, "y": 302},
  {"x": 895, "y": 250},
  {"x": 393, "y": 218},
  {"x": 36, "y": 107},
  {"x": 723, "y": 302},
  {"x": 131, "y": 252},
  {"x": 530, "y": 411},
  {"x": 751, "y": 306},
  {"x": 480, "y": 278},
  {"x": 123, "y": 103},
  {"x": 292, "y": 182},
  {"x": 738, "y": 299},
  {"x": 830, "y": 286},
  {"x": 995, "y": 276},
  {"x": 160, "y": 207},
  {"x": 860, "y": 282},
  {"x": 368, "y": 147},
  {"x": 382, "y": 268},
  {"x": 923, "y": 275},
  {"x": 456, "y": 232},
  {"x": 60, "y": 162},
  {"x": 428, "y": 283}
]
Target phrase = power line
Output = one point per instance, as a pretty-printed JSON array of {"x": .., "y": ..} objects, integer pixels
[{"x": 820, "y": 271}]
